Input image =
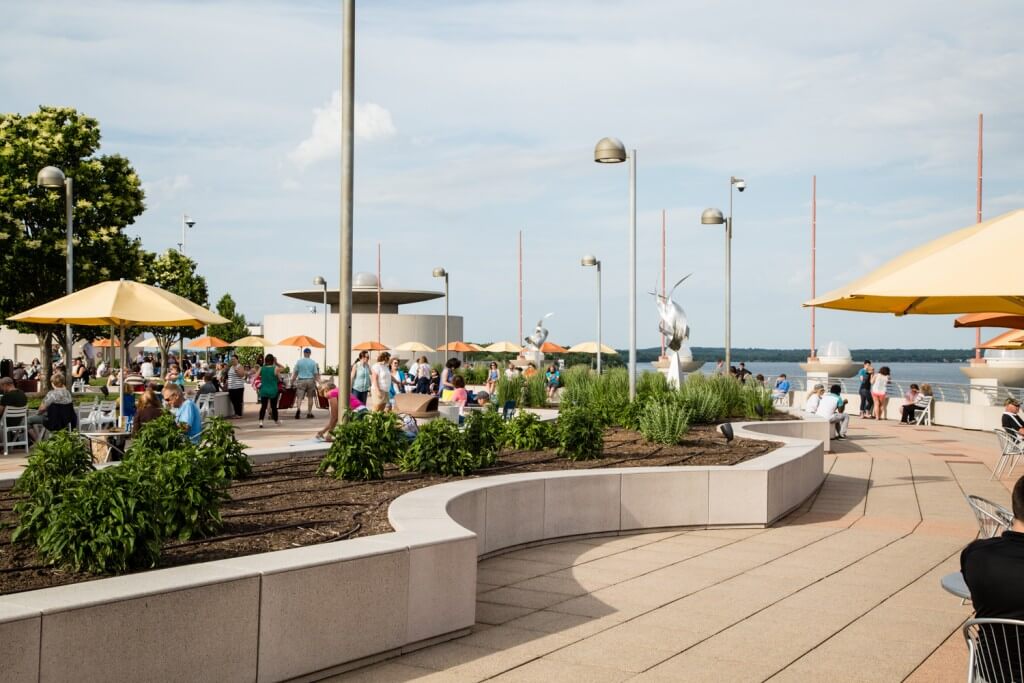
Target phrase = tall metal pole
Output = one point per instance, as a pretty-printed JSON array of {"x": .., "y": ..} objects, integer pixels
[
  {"x": 728, "y": 285},
  {"x": 520, "y": 340},
  {"x": 378, "y": 293},
  {"x": 327, "y": 314},
  {"x": 977, "y": 332},
  {"x": 446, "y": 311},
  {"x": 348, "y": 77},
  {"x": 183, "y": 217},
  {"x": 632, "y": 275},
  {"x": 814, "y": 256},
  {"x": 69, "y": 189},
  {"x": 599, "y": 317},
  {"x": 663, "y": 272}
]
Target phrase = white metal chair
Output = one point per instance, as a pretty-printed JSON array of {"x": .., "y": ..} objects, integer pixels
[
  {"x": 1012, "y": 449},
  {"x": 105, "y": 414},
  {"x": 86, "y": 414},
  {"x": 924, "y": 411},
  {"x": 994, "y": 650},
  {"x": 14, "y": 428},
  {"x": 992, "y": 518},
  {"x": 205, "y": 404}
]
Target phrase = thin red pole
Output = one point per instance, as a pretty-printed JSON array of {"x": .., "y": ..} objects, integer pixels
[
  {"x": 814, "y": 255},
  {"x": 977, "y": 332},
  {"x": 520, "y": 341},
  {"x": 663, "y": 271},
  {"x": 378, "y": 293}
]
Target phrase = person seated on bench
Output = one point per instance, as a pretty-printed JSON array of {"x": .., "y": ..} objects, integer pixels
[
  {"x": 814, "y": 398},
  {"x": 59, "y": 395},
  {"x": 1012, "y": 421},
  {"x": 781, "y": 389},
  {"x": 831, "y": 407},
  {"x": 910, "y": 400},
  {"x": 992, "y": 568},
  {"x": 459, "y": 397},
  {"x": 483, "y": 398}
]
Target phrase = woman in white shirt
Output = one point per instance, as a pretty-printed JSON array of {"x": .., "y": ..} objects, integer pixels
[
  {"x": 879, "y": 386},
  {"x": 814, "y": 399},
  {"x": 380, "y": 385}
]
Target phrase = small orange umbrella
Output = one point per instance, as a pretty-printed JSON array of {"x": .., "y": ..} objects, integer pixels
[
  {"x": 1014, "y": 322},
  {"x": 105, "y": 343},
  {"x": 1014, "y": 339},
  {"x": 369, "y": 346},
  {"x": 301, "y": 340},
  {"x": 551, "y": 347},
  {"x": 457, "y": 346},
  {"x": 207, "y": 343}
]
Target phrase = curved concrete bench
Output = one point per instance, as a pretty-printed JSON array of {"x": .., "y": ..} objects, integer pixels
[{"x": 316, "y": 610}]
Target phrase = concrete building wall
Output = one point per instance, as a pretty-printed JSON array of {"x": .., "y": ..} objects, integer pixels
[
  {"x": 18, "y": 346},
  {"x": 394, "y": 329}
]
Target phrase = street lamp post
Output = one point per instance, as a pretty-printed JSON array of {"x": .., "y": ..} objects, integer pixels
[
  {"x": 319, "y": 280},
  {"x": 186, "y": 224},
  {"x": 52, "y": 178},
  {"x": 590, "y": 260},
  {"x": 612, "y": 151},
  {"x": 441, "y": 272},
  {"x": 348, "y": 77},
  {"x": 715, "y": 217}
]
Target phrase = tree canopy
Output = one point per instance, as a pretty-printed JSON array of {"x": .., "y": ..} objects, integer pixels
[
  {"x": 176, "y": 273},
  {"x": 237, "y": 328}
]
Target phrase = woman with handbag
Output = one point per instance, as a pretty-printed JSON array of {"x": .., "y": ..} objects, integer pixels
[{"x": 270, "y": 388}]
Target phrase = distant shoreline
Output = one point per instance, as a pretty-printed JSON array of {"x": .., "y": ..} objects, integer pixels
[{"x": 760, "y": 355}]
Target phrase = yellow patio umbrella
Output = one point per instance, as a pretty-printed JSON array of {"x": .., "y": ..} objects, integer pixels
[
  {"x": 251, "y": 342},
  {"x": 146, "y": 344},
  {"x": 476, "y": 347},
  {"x": 415, "y": 347},
  {"x": 591, "y": 347},
  {"x": 503, "y": 347},
  {"x": 123, "y": 303},
  {"x": 973, "y": 270},
  {"x": 1014, "y": 339}
]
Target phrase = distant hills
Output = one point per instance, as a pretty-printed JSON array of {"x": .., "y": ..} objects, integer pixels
[{"x": 713, "y": 353}]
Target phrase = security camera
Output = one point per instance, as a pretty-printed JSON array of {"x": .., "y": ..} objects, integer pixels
[
  {"x": 741, "y": 185},
  {"x": 191, "y": 222}
]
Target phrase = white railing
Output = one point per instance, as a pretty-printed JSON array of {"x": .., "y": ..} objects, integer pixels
[{"x": 943, "y": 391}]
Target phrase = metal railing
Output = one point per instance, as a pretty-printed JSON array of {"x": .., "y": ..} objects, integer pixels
[{"x": 942, "y": 391}]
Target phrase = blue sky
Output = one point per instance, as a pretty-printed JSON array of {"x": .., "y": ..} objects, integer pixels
[{"x": 478, "y": 119}]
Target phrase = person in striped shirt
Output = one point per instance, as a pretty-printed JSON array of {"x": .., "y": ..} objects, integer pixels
[{"x": 236, "y": 385}]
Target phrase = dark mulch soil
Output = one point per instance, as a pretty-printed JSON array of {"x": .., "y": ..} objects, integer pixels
[{"x": 286, "y": 505}]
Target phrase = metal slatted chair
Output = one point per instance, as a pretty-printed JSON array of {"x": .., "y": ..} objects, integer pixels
[
  {"x": 14, "y": 428},
  {"x": 924, "y": 411},
  {"x": 992, "y": 518},
  {"x": 1012, "y": 450},
  {"x": 994, "y": 650}
]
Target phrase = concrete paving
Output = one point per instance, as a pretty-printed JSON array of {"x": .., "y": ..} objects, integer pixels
[{"x": 845, "y": 588}]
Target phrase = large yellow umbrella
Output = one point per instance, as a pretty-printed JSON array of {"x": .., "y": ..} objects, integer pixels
[
  {"x": 503, "y": 347},
  {"x": 591, "y": 347},
  {"x": 122, "y": 303},
  {"x": 253, "y": 342},
  {"x": 973, "y": 270},
  {"x": 415, "y": 347}
]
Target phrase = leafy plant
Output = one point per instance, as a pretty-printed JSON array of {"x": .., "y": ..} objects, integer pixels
[
  {"x": 535, "y": 392},
  {"x": 580, "y": 434},
  {"x": 510, "y": 389},
  {"x": 651, "y": 385},
  {"x": 526, "y": 432},
  {"x": 218, "y": 443},
  {"x": 757, "y": 400},
  {"x": 361, "y": 447},
  {"x": 186, "y": 492},
  {"x": 579, "y": 383},
  {"x": 54, "y": 464},
  {"x": 664, "y": 421},
  {"x": 484, "y": 435},
  {"x": 439, "y": 448},
  {"x": 158, "y": 436},
  {"x": 706, "y": 399}
]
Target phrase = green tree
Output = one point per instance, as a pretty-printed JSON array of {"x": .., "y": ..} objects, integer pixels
[
  {"x": 108, "y": 197},
  {"x": 237, "y": 328},
  {"x": 176, "y": 273}
]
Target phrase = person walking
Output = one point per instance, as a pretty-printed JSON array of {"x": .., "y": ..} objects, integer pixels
[
  {"x": 236, "y": 386},
  {"x": 867, "y": 404},
  {"x": 879, "y": 387},
  {"x": 361, "y": 376},
  {"x": 380, "y": 387},
  {"x": 305, "y": 378},
  {"x": 270, "y": 377}
]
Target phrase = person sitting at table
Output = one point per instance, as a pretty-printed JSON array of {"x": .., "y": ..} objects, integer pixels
[
  {"x": 910, "y": 404},
  {"x": 459, "y": 396},
  {"x": 1012, "y": 421},
  {"x": 147, "y": 408},
  {"x": 185, "y": 411},
  {"x": 58, "y": 395},
  {"x": 992, "y": 568},
  {"x": 11, "y": 395},
  {"x": 134, "y": 380},
  {"x": 210, "y": 384}
]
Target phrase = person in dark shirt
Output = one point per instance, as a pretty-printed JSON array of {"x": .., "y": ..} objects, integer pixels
[
  {"x": 1012, "y": 421},
  {"x": 10, "y": 395},
  {"x": 993, "y": 567},
  {"x": 210, "y": 384}
]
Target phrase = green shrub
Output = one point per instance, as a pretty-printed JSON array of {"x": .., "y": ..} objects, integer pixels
[
  {"x": 525, "y": 432},
  {"x": 580, "y": 434},
  {"x": 218, "y": 442},
  {"x": 484, "y": 435},
  {"x": 187, "y": 490},
  {"x": 158, "y": 436},
  {"x": 361, "y": 447},
  {"x": 53, "y": 465},
  {"x": 439, "y": 448},
  {"x": 664, "y": 421},
  {"x": 705, "y": 398},
  {"x": 651, "y": 385},
  {"x": 474, "y": 375},
  {"x": 579, "y": 383},
  {"x": 729, "y": 390},
  {"x": 535, "y": 392},
  {"x": 510, "y": 389},
  {"x": 103, "y": 523},
  {"x": 756, "y": 397}
]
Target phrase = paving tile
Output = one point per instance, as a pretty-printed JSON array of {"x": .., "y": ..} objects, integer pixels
[
  {"x": 391, "y": 672},
  {"x": 519, "y": 597},
  {"x": 490, "y": 613},
  {"x": 506, "y": 637},
  {"x": 569, "y": 625},
  {"x": 545, "y": 670},
  {"x": 560, "y": 584}
]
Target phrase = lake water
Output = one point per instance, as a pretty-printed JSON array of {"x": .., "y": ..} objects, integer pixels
[{"x": 946, "y": 373}]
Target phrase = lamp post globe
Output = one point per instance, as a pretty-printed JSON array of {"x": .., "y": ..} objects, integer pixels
[
  {"x": 609, "y": 151},
  {"x": 319, "y": 281},
  {"x": 588, "y": 260},
  {"x": 712, "y": 217},
  {"x": 51, "y": 178}
]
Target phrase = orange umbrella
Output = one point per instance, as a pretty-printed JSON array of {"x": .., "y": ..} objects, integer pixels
[
  {"x": 1014, "y": 339},
  {"x": 457, "y": 346},
  {"x": 476, "y": 347},
  {"x": 105, "y": 343},
  {"x": 207, "y": 343},
  {"x": 551, "y": 347},
  {"x": 369, "y": 346},
  {"x": 1014, "y": 322},
  {"x": 301, "y": 340}
]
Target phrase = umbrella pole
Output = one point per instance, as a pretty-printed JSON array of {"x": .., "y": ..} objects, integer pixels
[{"x": 120, "y": 385}]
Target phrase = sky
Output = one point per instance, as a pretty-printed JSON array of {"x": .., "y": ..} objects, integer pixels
[{"x": 477, "y": 119}]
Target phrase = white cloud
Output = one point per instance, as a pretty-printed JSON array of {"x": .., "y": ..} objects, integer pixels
[
  {"x": 162, "y": 190},
  {"x": 373, "y": 122}
]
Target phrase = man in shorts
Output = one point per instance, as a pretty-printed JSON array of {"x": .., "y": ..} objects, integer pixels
[{"x": 305, "y": 377}]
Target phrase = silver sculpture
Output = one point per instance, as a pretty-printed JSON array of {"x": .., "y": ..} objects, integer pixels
[
  {"x": 674, "y": 326},
  {"x": 539, "y": 336}
]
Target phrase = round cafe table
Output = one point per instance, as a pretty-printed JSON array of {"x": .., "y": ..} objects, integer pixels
[
  {"x": 107, "y": 445},
  {"x": 954, "y": 583}
]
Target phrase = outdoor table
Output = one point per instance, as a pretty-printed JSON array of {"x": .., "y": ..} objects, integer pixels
[
  {"x": 106, "y": 445},
  {"x": 954, "y": 583}
]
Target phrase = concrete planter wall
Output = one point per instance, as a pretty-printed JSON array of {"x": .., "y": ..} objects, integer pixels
[{"x": 307, "y": 612}]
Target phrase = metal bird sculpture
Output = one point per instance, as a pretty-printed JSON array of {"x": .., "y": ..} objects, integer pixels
[
  {"x": 539, "y": 336},
  {"x": 673, "y": 323}
]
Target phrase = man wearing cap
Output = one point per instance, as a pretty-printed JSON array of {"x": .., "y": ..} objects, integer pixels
[
  {"x": 305, "y": 377},
  {"x": 1012, "y": 421}
]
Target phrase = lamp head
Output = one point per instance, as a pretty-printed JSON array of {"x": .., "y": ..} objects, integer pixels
[
  {"x": 609, "y": 151},
  {"x": 739, "y": 183},
  {"x": 51, "y": 178},
  {"x": 319, "y": 281},
  {"x": 440, "y": 272},
  {"x": 712, "y": 217},
  {"x": 589, "y": 260}
]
